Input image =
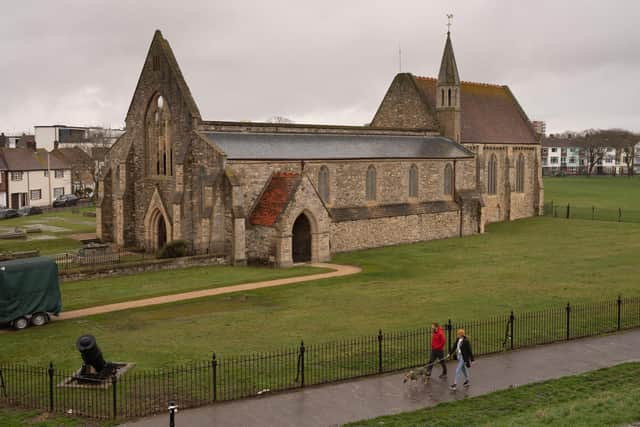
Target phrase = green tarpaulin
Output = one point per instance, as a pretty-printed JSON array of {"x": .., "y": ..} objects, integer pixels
[{"x": 28, "y": 286}]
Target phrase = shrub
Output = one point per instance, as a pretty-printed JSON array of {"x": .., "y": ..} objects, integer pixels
[{"x": 174, "y": 249}]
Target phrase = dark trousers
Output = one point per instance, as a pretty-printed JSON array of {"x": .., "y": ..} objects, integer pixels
[{"x": 437, "y": 355}]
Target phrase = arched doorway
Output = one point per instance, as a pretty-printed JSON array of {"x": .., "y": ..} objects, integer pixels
[
  {"x": 162, "y": 232},
  {"x": 301, "y": 240}
]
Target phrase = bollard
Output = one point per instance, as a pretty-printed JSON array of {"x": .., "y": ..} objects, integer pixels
[{"x": 173, "y": 408}]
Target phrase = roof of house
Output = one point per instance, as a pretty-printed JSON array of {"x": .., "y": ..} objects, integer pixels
[
  {"x": 558, "y": 142},
  {"x": 73, "y": 155},
  {"x": 490, "y": 113},
  {"x": 22, "y": 159},
  {"x": 275, "y": 198},
  {"x": 293, "y": 146}
]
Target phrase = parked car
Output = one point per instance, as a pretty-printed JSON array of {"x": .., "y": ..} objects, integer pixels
[
  {"x": 8, "y": 213},
  {"x": 65, "y": 200},
  {"x": 29, "y": 210}
]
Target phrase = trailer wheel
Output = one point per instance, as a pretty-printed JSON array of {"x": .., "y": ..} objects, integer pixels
[
  {"x": 20, "y": 323},
  {"x": 40, "y": 319}
]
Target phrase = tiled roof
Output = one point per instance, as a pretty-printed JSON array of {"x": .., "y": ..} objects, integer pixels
[
  {"x": 21, "y": 159},
  {"x": 275, "y": 198},
  {"x": 490, "y": 113}
]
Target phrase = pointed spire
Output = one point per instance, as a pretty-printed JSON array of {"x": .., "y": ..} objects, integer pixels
[{"x": 448, "y": 75}]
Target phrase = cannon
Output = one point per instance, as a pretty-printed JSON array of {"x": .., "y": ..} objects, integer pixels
[{"x": 94, "y": 368}]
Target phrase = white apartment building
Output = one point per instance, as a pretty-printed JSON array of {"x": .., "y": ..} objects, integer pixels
[
  {"x": 86, "y": 138},
  {"x": 32, "y": 178}
]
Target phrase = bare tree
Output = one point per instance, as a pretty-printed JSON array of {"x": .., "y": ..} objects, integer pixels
[{"x": 279, "y": 119}]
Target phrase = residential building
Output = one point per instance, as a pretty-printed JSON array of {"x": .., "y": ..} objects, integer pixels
[
  {"x": 540, "y": 127},
  {"x": 32, "y": 178},
  {"x": 83, "y": 167},
  {"x": 18, "y": 141},
  {"x": 86, "y": 138}
]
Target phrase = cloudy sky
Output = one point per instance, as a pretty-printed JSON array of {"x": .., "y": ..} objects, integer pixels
[{"x": 575, "y": 64}]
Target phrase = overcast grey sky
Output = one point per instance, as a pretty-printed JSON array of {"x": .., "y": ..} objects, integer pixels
[{"x": 574, "y": 64}]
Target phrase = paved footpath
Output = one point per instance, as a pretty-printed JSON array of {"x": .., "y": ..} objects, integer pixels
[
  {"x": 340, "y": 403},
  {"x": 338, "y": 271}
]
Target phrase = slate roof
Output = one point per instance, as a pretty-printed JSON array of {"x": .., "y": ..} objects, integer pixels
[
  {"x": 292, "y": 146},
  {"x": 396, "y": 209},
  {"x": 490, "y": 113},
  {"x": 275, "y": 198},
  {"x": 21, "y": 159}
]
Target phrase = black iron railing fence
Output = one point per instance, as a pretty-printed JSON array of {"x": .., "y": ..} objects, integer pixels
[
  {"x": 594, "y": 213},
  {"x": 144, "y": 392}
]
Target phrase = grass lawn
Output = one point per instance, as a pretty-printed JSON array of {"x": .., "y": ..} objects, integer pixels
[
  {"x": 604, "y": 397},
  {"x": 610, "y": 192},
  {"x": 88, "y": 293},
  {"x": 20, "y": 418},
  {"x": 523, "y": 265},
  {"x": 56, "y": 228}
]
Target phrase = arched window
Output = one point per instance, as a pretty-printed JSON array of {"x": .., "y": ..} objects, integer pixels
[
  {"x": 371, "y": 183},
  {"x": 492, "y": 175},
  {"x": 448, "y": 179},
  {"x": 413, "y": 181},
  {"x": 323, "y": 183},
  {"x": 159, "y": 149},
  {"x": 520, "y": 174},
  {"x": 449, "y": 97},
  {"x": 442, "y": 97}
]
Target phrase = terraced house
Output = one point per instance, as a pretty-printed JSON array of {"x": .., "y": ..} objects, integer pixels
[{"x": 440, "y": 159}]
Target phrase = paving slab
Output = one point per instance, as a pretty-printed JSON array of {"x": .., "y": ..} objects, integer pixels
[{"x": 336, "y": 404}]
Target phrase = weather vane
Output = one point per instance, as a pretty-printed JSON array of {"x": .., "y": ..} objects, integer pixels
[{"x": 449, "y": 18}]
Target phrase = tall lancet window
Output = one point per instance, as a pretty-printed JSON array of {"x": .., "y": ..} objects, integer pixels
[
  {"x": 370, "y": 192},
  {"x": 448, "y": 180},
  {"x": 492, "y": 175},
  {"x": 323, "y": 183},
  {"x": 520, "y": 174},
  {"x": 413, "y": 181},
  {"x": 158, "y": 147}
]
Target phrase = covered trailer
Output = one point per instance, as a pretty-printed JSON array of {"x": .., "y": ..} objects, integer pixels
[{"x": 29, "y": 291}]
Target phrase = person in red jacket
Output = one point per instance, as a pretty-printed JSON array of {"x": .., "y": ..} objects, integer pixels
[{"x": 437, "y": 349}]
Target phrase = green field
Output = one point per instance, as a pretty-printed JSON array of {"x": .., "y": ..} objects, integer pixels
[
  {"x": 523, "y": 265},
  {"x": 604, "y": 397},
  {"x": 56, "y": 228},
  {"x": 609, "y": 192},
  {"x": 21, "y": 418},
  {"x": 89, "y": 293}
]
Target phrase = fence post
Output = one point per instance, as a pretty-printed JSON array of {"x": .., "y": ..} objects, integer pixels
[
  {"x": 619, "y": 214},
  {"x": 301, "y": 363},
  {"x": 50, "y": 371},
  {"x": 593, "y": 213},
  {"x": 511, "y": 319},
  {"x": 568, "y": 321},
  {"x": 380, "y": 351},
  {"x": 449, "y": 328},
  {"x": 114, "y": 381},
  {"x": 568, "y": 211},
  {"x": 214, "y": 366},
  {"x": 619, "y": 309}
]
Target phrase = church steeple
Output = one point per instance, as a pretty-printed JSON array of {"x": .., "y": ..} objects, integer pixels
[{"x": 448, "y": 92}]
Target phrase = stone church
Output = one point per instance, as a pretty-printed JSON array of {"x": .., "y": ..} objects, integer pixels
[{"x": 441, "y": 158}]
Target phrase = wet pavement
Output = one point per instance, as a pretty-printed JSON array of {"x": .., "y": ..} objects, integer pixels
[{"x": 336, "y": 404}]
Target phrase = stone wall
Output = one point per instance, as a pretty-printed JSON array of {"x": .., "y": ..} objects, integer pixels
[
  {"x": 403, "y": 107},
  {"x": 347, "y": 179},
  {"x": 365, "y": 234}
]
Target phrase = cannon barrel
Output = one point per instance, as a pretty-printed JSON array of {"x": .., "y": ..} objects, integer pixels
[{"x": 90, "y": 352}]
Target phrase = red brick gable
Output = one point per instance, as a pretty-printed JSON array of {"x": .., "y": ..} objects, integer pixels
[
  {"x": 490, "y": 113},
  {"x": 275, "y": 198}
]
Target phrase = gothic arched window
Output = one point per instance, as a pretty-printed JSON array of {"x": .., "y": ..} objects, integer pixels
[
  {"x": 449, "y": 97},
  {"x": 323, "y": 183},
  {"x": 371, "y": 183},
  {"x": 413, "y": 181},
  {"x": 158, "y": 147},
  {"x": 520, "y": 174},
  {"x": 442, "y": 97},
  {"x": 448, "y": 179},
  {"x": 492, "y": 175}
]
